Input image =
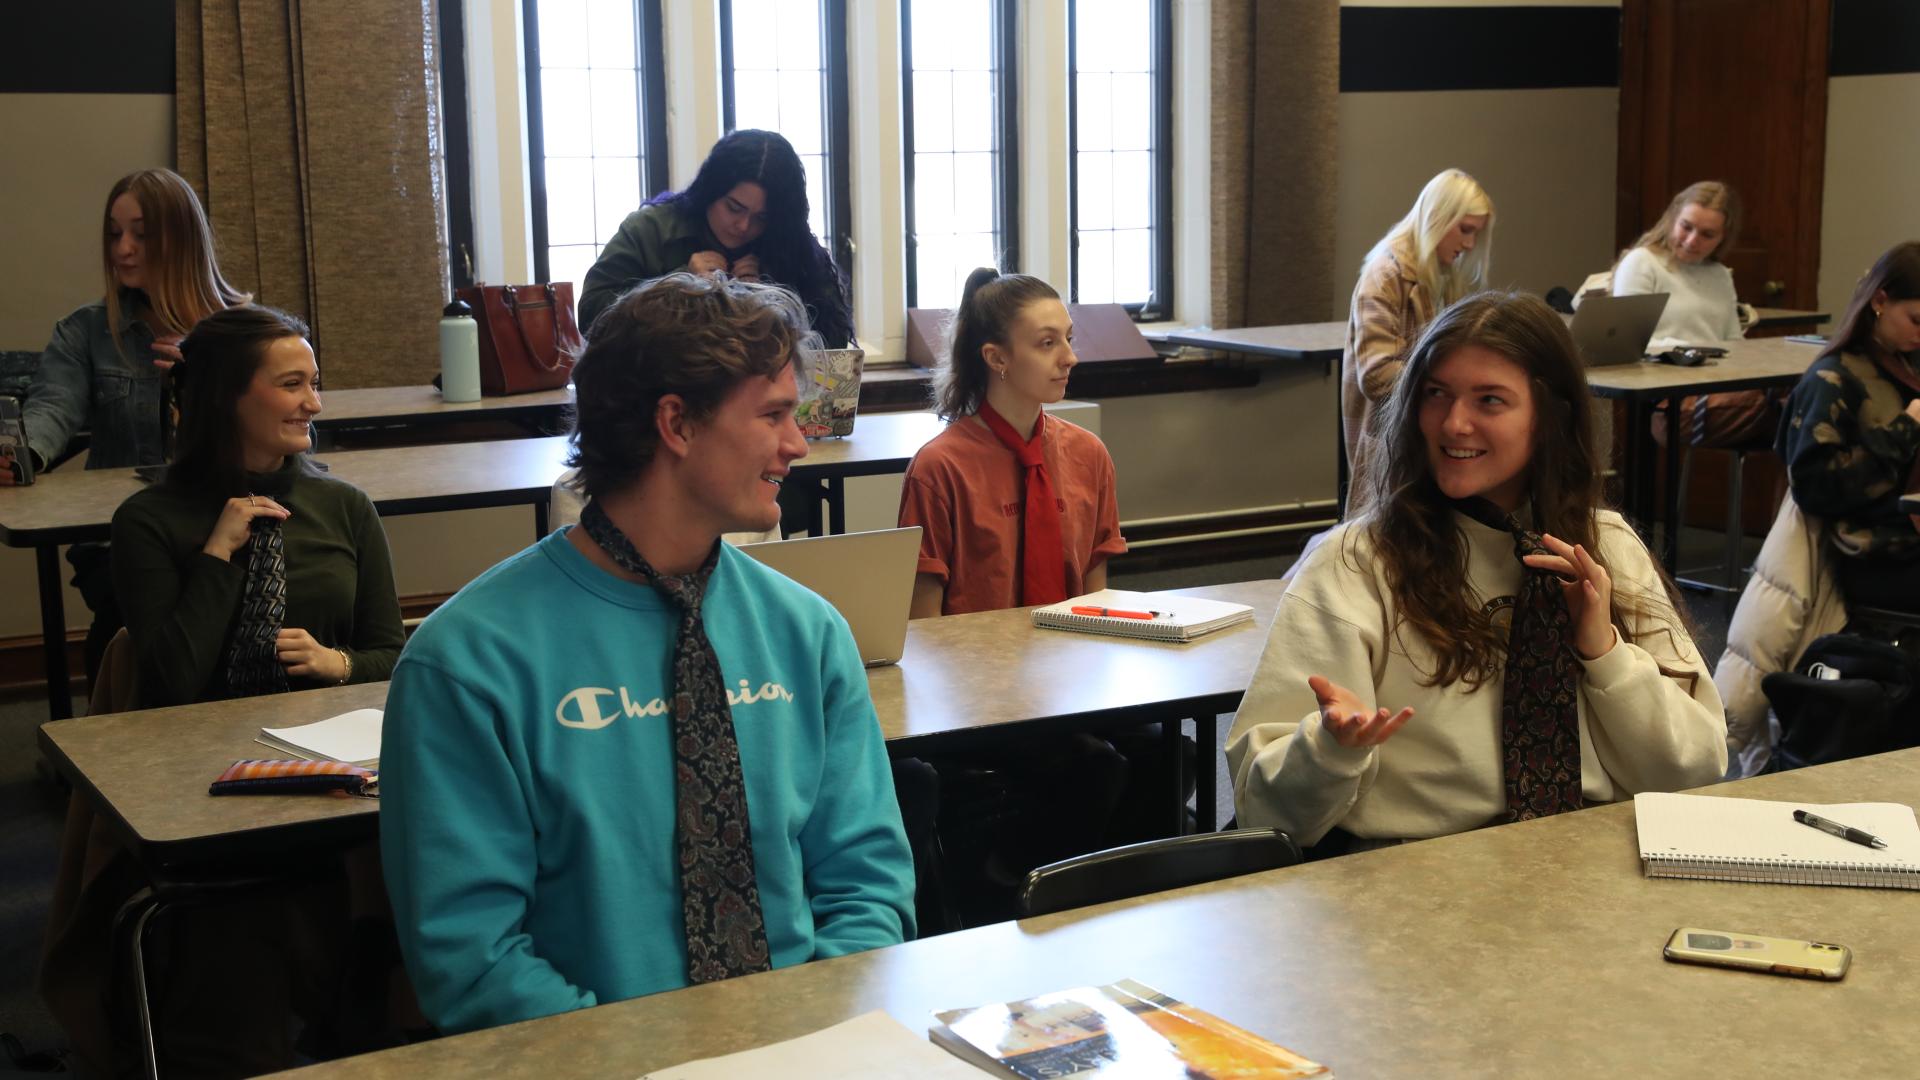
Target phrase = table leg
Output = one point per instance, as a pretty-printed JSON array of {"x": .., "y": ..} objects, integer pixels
[
  {"x": 53, "y": 631},
  {"x": 1636, "y": 493},
  {"x": 1171, "y": 740},
  {"x": 836, "y": 493},
  {"x": 816, "y": 521},
  {"x": 540, "y": 521},
  {"x": 1206, "y": 734},
  {"x": 1670, "y": 551}
]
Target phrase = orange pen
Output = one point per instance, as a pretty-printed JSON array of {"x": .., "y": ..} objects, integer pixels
[{"x": 1116, "y": 613}]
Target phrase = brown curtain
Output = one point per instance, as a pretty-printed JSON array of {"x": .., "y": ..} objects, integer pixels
[
  {"x": 311, "y": 130},
  {"x": 1276, "y": 93}
]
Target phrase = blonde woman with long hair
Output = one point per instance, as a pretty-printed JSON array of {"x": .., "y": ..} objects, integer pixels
[
  {"x": 105, "y": 368},
  {"x": 1432, "y": 257}
]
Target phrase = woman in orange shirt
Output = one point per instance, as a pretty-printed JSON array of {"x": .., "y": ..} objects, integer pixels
[{"x": 1017, "y": 507}]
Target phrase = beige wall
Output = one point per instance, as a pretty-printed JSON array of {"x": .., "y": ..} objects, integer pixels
[
  {"x": 63, "y": 153},
  {"x": 1546, "y": 156},
  {"x": 1873, "y": 160}
]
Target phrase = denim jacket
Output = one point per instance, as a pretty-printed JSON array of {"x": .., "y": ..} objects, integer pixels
[{"x": 85, "y": 383}]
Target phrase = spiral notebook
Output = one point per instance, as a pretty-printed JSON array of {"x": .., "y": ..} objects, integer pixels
[
  {"x": 1721, "y": 839},
  {"x": 1154, "y": 616}
]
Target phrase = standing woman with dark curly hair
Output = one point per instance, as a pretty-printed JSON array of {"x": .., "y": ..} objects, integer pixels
[
  {"x": 1485, "y": 643},
  {"x": 745, "y": 214}
]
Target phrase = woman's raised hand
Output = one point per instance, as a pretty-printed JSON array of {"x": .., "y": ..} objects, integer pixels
[
  {"x": 1347, "y": 718},
  {"x": 1589, "y": 593}
]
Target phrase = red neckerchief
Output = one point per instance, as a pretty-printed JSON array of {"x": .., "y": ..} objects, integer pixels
[{"x": 1043, "y": 551}]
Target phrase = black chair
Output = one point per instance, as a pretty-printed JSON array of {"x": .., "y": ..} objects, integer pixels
[
  {"x": 1137, "y": 869},
  {"x": 1897, "y": 628}
]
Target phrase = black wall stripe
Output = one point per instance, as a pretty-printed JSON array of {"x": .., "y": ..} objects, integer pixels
[
  {"x": 1478, "y": 48},
  {"x": 1875, "y": 37},
  {"x": 86, "y": 47}
]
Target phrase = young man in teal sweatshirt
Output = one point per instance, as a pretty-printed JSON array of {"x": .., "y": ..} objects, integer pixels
[{"x": 629, "y": 757}]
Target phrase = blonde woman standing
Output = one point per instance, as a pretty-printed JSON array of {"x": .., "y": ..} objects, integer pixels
[{"x": 1435, "y": 255}]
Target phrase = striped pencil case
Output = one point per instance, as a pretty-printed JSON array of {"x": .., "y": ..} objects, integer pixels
[{"x": 295, "y": 777}]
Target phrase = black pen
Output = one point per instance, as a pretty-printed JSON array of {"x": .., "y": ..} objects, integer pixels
[{"x": 1834, "y": 828}]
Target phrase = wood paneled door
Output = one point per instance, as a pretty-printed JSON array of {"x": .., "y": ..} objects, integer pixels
[{"x": 1732, "y": 90}]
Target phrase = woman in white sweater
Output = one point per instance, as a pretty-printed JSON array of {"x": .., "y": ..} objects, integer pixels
[
  {"x": 1680, "y": 256},
  {"x": 1421, "y": 677}
]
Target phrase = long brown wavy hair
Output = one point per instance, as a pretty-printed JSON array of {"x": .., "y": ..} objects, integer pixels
[{"x": 1411, "y": 522}]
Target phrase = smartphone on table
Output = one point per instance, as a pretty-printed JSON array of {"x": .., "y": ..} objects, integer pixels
[
  {"x": 1777, "y": 956},
  {"x": 14, "y": 454}
]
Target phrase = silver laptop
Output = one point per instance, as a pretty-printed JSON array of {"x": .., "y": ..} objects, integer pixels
[
  {"x": 867, "y": 576},
  {"x": 1611, "y": 330}
]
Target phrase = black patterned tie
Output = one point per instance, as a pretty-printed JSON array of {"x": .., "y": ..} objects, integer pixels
[
  {"x": 719, "y": 898},
  {"x": 253, "y": 661},
  {"x": 1540, "y": 691}
]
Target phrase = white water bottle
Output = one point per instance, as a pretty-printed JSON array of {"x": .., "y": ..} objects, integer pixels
[{"x": 459, "y": 354}]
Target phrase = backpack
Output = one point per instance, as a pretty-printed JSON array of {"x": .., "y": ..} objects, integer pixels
[{"x": 1849, "y": 696}]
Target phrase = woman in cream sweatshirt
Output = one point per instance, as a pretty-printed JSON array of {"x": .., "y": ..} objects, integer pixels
[{"x": 1485, "y": 643}]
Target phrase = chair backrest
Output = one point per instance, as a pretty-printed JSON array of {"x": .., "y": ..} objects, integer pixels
[
  {"x": 113, "y": 683},
  {"x": 1138, "y": 869}
]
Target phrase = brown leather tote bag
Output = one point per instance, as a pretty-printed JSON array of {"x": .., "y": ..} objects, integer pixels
[{"x": 528, "y": 340}]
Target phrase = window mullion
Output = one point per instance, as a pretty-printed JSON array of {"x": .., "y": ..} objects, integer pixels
[{"x": 536, "y": 140}]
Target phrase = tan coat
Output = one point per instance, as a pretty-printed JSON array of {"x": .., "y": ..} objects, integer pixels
[
  {"x": 1792, "y": 598},
  {"x": 1389, "y": 310}
]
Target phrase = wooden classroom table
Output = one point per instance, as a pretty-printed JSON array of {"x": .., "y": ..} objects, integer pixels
[
  {"x": 1773, "y": 318},
  {"x": 146, "y": 770},
  {"x": 1323, "y": 342},
  {"x": 1750, "y": 364},
  {"x": 1528, "y": 950},
  {"x": 1306, "y": 341},
  {"x": 373, "y": 407},
  {"x": 73, "y": 505}
]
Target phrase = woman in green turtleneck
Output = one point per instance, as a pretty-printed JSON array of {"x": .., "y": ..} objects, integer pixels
[{"x": 247, "y": 570}]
